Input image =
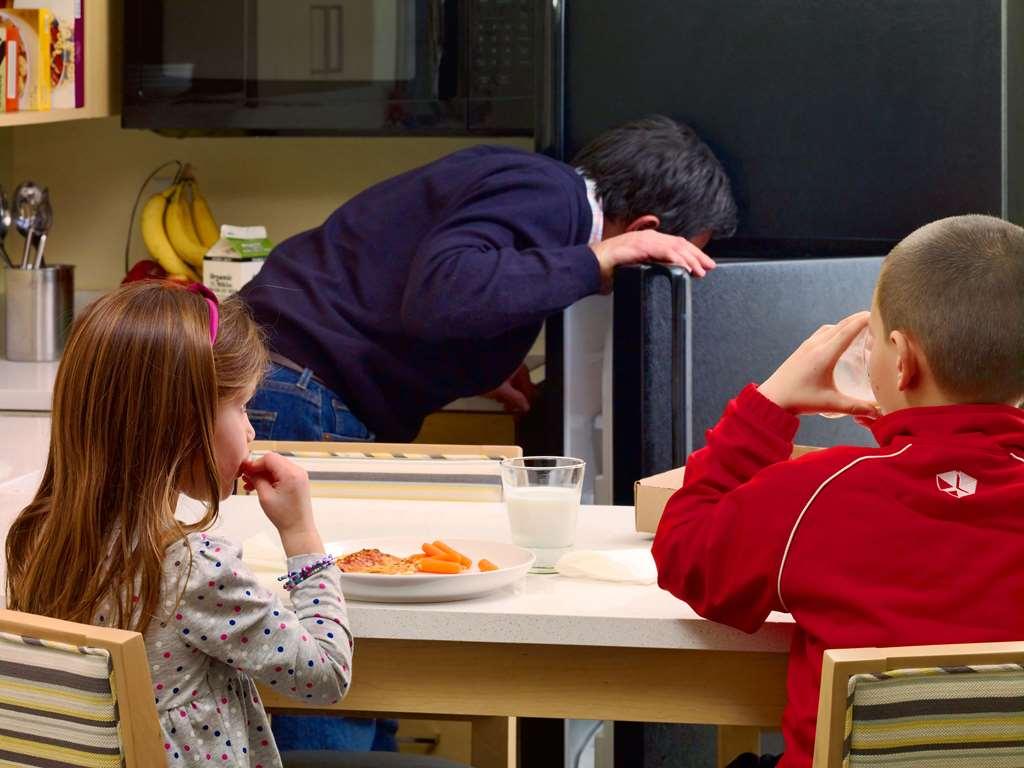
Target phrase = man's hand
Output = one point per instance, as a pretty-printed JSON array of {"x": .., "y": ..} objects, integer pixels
[
  {"x": 517, "y": 393},
  {"x": 645, "y": 246},
  {"x": 804, "y": 384}
]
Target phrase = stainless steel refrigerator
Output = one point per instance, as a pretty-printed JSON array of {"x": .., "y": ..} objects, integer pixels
[{"x": 843, "y": 127}]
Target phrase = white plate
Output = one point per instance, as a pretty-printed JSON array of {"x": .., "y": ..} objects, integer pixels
[{"x": 513, "y": 562}]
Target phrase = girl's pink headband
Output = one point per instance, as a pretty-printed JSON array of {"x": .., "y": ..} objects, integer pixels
[{"x": 211, "y": 301}]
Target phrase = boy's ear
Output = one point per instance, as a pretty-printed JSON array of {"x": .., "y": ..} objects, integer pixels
[{"x": 908, "y": 361}]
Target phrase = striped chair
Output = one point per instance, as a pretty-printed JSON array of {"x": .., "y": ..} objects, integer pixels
[
  {"x": 73, "y": 695},
  {"x": 949, "y": 706}
]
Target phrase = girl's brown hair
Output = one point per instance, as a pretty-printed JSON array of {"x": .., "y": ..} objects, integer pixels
[{"x": 134, "y": 406}]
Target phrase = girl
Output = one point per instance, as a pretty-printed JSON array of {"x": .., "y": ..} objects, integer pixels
[{"x": 149, "y": 402}]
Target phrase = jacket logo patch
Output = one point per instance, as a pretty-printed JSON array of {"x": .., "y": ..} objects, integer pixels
[{"x": 957, "y": 484}]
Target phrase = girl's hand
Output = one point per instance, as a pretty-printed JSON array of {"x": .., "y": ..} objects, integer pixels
[
  {"x": 804, "y": 384},
  {"x": 283, "y": 490}
]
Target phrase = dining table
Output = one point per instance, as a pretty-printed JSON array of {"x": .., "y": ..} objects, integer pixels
[{"x": 546, "y": 646}]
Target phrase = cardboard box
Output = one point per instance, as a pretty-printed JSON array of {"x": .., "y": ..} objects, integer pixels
[
  {"x": 235, "y": 259},
  {"x": 67, "y": 52},
  {"x": 651, "y": 494},
  {"x": 33, "y": 81}
]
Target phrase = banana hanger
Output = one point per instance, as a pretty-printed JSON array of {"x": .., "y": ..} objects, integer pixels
[{"x": 183, "y": 169}]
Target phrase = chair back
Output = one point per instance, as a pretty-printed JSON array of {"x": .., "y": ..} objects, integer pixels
[
  {"x": 398, "y": 470},
  {"x": 951, "y": 705},
  {"x": 74, "y": 694}
]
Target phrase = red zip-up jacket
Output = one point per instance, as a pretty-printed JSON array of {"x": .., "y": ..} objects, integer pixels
[{"x": 918, "y": 541}]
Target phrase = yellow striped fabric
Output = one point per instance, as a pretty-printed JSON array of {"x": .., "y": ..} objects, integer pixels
[
  {"x": 57, "y": 705},
  {"x": 968, "y": 717}
]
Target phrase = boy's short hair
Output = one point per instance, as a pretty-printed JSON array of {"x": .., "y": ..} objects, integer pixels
[
  {"x": 661, "y": 167},
  {"x": 957, "y": 287}
]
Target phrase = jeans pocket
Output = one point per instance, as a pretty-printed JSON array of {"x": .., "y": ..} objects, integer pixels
[
  {"x": 347, "y": 428},
  {"x": 295, "y": 411},
  {"x": 262, "y": 423}
]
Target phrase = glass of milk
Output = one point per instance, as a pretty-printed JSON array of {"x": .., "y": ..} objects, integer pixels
[
  {"x": 543, "y": 498},
  {"x": 851, "y": 372}
]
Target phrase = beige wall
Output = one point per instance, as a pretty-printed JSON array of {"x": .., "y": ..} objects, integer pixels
[{"x": 94, "y": 168}]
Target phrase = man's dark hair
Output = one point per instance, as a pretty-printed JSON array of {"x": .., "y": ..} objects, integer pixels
[{"x": 661, "y": 167}]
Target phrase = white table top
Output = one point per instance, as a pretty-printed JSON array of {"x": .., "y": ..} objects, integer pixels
[{"x": 542, "y": 609}]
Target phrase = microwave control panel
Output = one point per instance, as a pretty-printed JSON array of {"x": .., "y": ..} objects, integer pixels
[{"x": 501, "y": 43}]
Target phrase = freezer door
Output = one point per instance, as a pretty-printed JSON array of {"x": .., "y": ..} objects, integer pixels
[{"x": 683, "y": 348}]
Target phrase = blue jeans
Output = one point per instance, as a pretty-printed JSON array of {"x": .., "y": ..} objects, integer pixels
[
  {"x": 295, "y": 406},
  {"x": 290, "y": 405}
]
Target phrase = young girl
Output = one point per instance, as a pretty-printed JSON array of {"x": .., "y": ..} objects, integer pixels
[{"x": 149, "y": 403}]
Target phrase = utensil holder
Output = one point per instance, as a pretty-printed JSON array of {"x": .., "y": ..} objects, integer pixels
[{"x": 39, "y": 309}]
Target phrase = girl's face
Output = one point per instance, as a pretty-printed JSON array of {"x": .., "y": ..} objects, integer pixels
[{"x": 232, "y": 434}]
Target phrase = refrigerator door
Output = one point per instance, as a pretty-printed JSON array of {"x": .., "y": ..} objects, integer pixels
[
  {"x": 683, "y": 348},
  {"x": 833, "y": 119}
]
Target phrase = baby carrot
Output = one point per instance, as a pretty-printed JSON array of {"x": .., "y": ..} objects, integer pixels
[
  {"x": 433, "y": 565},
  {"x": 417, "y": 556},
  {"x": 449, "y": 551},
  {"x": 487, "y": 565},
  {"x": 438, "y": 554}
]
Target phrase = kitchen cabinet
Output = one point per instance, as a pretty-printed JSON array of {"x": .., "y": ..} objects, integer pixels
[{"x": 102, "y": 70}]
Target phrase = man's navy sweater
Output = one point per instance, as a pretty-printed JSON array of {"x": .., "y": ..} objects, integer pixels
[{"x": 431, "y": 285}]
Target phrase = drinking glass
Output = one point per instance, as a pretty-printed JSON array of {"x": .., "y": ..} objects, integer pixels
[{"x": 543, "y": 498}]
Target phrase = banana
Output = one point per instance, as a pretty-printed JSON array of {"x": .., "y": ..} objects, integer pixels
[
  {"x": 186, "y": 214},
  {"x": 189, "y": 249},
  {"x": 202, "y": 216},
  {"x": 151, "y": 223}
]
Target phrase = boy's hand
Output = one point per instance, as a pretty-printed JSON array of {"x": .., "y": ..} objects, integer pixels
[
  {"x": 804, "y": 384},
  {"x": 283, "y": 490}
]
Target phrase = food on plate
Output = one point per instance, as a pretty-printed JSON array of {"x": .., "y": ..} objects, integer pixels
[
  {"x": 375, "y": 561},
  {"x": 433, "y": 565},
  {"x": 436, "y": 557},
  {"x": 452, "y": 553},
  {"x": 431, "y": 551}
]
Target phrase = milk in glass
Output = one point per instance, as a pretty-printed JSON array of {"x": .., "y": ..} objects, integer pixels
[{"x": 543, "y": 519}]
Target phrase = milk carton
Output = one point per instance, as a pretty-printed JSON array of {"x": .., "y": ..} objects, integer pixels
[{"x": 235, "y": 259}]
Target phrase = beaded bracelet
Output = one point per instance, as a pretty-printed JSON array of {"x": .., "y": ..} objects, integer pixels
[{"x": 294, "y": 578}]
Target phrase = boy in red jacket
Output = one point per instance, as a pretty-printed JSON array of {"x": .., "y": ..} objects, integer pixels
[{"x": 918, "y": 541}]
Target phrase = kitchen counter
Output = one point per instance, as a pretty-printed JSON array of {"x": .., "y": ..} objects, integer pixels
[{"x": 29, "y": 386}]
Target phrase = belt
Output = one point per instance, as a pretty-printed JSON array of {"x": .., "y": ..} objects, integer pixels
[{"x": 291, "y": 365}]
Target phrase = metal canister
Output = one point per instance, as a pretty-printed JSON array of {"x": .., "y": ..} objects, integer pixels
[{"x": 39, "y": 309}]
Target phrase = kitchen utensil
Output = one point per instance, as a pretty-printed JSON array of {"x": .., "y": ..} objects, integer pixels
[
  {"x": 38, "y": 311},
  {"x": 5, "y": 224},
  {"x": 41, "y": 224},
  {"x": 27, "y": 197}
]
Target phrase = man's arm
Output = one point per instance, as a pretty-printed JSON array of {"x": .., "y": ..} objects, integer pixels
[{"x": 503, "y": 259}]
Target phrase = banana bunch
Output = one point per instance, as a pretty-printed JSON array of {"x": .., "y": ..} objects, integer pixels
[{"x": 178, "y": 228}]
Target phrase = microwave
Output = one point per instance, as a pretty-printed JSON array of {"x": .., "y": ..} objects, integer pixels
[{"x": 357, "y": 67}]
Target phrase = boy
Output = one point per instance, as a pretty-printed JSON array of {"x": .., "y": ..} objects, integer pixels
[{"x": 918, "y": 541}]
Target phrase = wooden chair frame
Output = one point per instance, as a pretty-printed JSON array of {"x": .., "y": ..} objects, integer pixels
[
  {"x": 142, "y": 740},
  {"x": 506, "y": 451},
  {"x": 839, "y": 665}
]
